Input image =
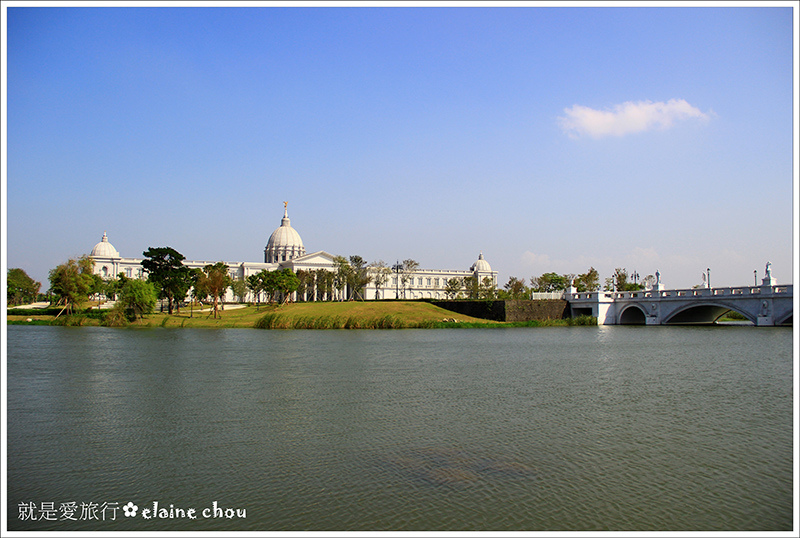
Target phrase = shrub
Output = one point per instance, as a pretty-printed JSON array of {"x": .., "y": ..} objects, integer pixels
[
  {"x": 582, "y": 320},
  {"x": 70, "y": 320},
  {"x": 733, "y": 314},
  {"x": 137, "y": 298},
  {"x": 389, "y": 322},
  {"x": 267, "y": 321},
  {"x": 115, "y": 318}
]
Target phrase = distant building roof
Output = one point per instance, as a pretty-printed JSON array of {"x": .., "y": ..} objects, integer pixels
[
  {"x": 481, "y": 266},
  {"x": 284, "y": 243},
  {"x": 104, "y": 249}
]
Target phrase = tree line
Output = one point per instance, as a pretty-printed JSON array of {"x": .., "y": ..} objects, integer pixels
[
  {"x": 74, "y": 282},
  {"x": 168, "y": 279},
  {"x": 517, "y": 288},
  {"x": 621, "y": 280}
]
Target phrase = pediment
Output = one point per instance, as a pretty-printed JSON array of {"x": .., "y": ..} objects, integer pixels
[{"x": 319, "y": 259}]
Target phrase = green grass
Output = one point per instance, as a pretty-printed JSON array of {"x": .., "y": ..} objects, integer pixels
[
  {"x": 334, "y": 315},
  {"x": 733, "y": 315},
  {"x": 358, "y": 315}
]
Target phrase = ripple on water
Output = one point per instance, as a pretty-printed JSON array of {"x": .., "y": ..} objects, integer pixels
[{"x": 443, "y": 466}]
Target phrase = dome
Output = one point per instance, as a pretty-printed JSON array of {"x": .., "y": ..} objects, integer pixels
[
  {"x": 481, "y": 266},
  {"x": 284, "y": 243},
  {"x": 104, "y": 249}
]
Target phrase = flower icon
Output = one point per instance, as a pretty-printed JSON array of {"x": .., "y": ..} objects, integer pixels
[{"x": 130, "y": 509}]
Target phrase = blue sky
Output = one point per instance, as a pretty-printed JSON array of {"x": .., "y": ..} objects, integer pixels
[{"x": 548, "y": 138}]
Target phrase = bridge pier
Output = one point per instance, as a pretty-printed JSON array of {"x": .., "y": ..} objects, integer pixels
[{"x": 765, "y": 314}]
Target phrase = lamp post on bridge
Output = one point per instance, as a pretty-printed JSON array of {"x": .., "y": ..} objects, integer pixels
[
  {"x": 755, "y": 277},
  {"x": 708, "y": 271}
]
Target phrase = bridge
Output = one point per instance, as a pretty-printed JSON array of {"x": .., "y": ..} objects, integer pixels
[{"x": 766, "y": 305}]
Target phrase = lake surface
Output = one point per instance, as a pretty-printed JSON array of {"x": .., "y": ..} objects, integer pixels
[{"x": 566, "y": 428}]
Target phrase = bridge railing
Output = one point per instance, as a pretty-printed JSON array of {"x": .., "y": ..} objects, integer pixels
[
  {"x": 538, "y": 295},
  {"x": 785, "y": 289}
]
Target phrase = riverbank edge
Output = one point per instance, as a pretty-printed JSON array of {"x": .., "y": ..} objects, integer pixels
[
  {"x": 320, "y": 324},
  {"x": 401, "y": 315}
]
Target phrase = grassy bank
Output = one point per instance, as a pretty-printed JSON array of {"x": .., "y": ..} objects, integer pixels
[{"x": 347, "y": 315}]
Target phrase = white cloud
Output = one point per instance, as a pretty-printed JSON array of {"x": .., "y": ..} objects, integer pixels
[
  {"x": 643, "y": 257},
  {"x": 629, "y": 117},
  {"x": 531, "y": 260},
  {"x": 644, "y": 260}
]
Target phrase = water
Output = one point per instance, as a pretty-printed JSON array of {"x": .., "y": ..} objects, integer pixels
[{"x": 581, "y": 428}]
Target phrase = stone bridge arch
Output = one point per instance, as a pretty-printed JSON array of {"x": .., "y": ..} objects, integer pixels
[
  {"x": 786, "y": 319},
  {"x": 633, "y": 314},
  {"x": 705, "y": 312}
]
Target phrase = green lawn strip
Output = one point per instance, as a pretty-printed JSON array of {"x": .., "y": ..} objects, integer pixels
[{"x": 322, "y": 315}]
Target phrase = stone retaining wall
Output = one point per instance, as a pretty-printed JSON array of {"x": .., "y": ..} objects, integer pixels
[
  {"x": 536, "y": 310},
  {"x": 519, "y": 310}
]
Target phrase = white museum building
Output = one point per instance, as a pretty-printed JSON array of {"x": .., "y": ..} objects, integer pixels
[{"x": 285, "y": 250}]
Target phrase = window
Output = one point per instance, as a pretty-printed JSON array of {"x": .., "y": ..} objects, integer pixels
[
  {"x": 429, "y": 282},
  {"x": 129, "y": 272}
]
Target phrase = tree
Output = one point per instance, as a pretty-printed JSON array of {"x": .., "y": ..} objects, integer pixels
[
  {"x": 407, "y": 273},
  {"x": 214, "y": 282},
  {"x": 515, "y": 288},
  {"x": 21, "y": 288},
  {"x": 359, "y": 277},
  {"x": 269, "y": 280},
  {"x": 113, "y": 286},
  {"x": 98, "y": 285},
  {"x": 164, "y": 266},
  {"x": 487, "y": 289},
  {"x": 342, "y": 274},
  {"x": 588, "y": 281},
  {"x": 549, "y": 282},
  {"x": 620, "y": 282},
  {"x": 380, "y": 276},
  {"x": 239, "y": 288},
  {"x": 183, "y": 285},
  {"x": 472, "y": 286},
  {"x": 72, "y": 282},
  {"x": 286, "y": 283},
  {"x": 256, "y": 285},
  {"x": 137, "y": 298},
  {"x": 453, "y": 288},
  {"x": 306, "y": 287},
  {"x": 198, "y": 294},
  {"x": 324, "y": 284},
  {"x": 620, "y": 279}
]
